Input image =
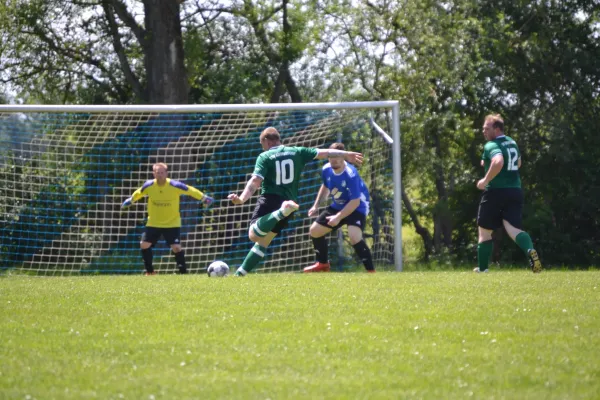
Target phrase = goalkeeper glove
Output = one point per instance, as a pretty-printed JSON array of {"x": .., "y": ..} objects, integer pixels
[
  {"x": 126, "y": 204},
  {"x": 207, "y": 200}
]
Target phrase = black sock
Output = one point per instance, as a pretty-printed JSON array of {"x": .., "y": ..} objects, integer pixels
[
  {"x": 180, "y": 260},
  {"x": 364, "y": 253},
  {"x": 147, "y": 257},
  {"x": 320, "y": 245}
]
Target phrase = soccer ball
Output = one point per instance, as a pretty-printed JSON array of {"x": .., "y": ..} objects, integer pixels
[{"x": 217, "y": 269}]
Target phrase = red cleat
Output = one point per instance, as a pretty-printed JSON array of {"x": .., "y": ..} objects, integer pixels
[
  {"x": 371, "y": 271},
  {"x": 150, "y": 273},
  {"x": 318, "y": 267}
]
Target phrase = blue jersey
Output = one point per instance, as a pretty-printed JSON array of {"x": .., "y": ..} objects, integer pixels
[{"x": 346, "y": 186}]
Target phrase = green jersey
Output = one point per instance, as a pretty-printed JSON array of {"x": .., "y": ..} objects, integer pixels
[
  {"x": 280, "y": 168},
  {"x": 509, "y": 175}
]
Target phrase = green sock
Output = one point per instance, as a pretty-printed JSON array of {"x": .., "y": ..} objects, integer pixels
[
  {"x": 255, "y": 255},
  {"x": 266, "y": 223},
  {"x": 484, "y": 251},
  {"x": 523, "y": 240}
]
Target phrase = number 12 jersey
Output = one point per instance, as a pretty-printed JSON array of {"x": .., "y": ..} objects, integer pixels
[{"x": 509, "y": 175}]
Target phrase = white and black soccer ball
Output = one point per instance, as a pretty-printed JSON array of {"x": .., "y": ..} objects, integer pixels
[{"x": 217, "y": 269}]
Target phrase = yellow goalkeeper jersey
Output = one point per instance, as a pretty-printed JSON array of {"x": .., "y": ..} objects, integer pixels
[{"x": 163, "y": 201}]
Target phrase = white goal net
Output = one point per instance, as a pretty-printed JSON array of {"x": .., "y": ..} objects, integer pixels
[{"x": 66, "y": 170}]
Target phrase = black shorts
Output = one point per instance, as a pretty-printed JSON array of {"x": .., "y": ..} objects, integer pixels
[
  {"x": 355, "y": 219},
  {"x": 266, "y": 204},
  {"x": 500, "y": 204},
  {"x": 152, "y": 235}
]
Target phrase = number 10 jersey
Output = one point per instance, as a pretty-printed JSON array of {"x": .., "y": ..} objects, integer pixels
[{"x": 281, "y": 167}]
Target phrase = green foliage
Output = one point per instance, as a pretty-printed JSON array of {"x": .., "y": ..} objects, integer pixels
[
  {"x": 545, "y": 71},
  {"x": 225, "y": 64},
  {"x": 450, "y": 64}
]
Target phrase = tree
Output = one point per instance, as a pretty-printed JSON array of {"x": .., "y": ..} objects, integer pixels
[
  {"x": 546, "y": 83},
  {"x": 58, "y": 49},
  {"x": 118, "y": 51},
  {"x": 425, "y": 54}
]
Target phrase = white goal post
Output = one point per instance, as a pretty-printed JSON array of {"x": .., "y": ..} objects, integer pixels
[{"x": 65, "y": 170}]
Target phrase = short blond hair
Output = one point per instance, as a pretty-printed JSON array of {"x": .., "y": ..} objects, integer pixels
[
  {"x": 159, "y": 165},
  {"x": 271, "y": 134},
  {"x": 496, "y": 120}
]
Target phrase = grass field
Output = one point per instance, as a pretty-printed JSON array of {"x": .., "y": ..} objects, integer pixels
[{"x": 434, "y": 335}]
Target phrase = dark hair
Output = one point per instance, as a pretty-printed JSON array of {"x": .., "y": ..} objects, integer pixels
[{"x": 337, "y": 146}]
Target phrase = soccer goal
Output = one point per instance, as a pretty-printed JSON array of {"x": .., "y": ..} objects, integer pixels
[{"x": 65, "y": 170}]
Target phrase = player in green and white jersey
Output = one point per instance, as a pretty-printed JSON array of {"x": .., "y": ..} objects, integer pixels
[
  {"x": 502, "y": 199},
  {"x": 277, "y": 173}
]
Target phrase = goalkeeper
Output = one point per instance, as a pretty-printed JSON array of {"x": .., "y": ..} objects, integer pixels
[
  {"x": 349, "y": 206},
  {"x": 163, "y": 214},
  {"x": 277, "y": 173}
]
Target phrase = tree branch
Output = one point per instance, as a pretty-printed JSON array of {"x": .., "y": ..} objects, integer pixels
[
  {"x": 259, "y": 30},
  {"x": 70, "y": 53},
  {"x": 139, "y": 91},
  {"x": 127, "y": 18}
]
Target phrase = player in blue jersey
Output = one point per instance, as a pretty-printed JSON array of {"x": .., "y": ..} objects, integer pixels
[
  {"x": 277, "y": 173},
  {"x": 163, "y": 214},
  {"x": 349, "y": 206}
]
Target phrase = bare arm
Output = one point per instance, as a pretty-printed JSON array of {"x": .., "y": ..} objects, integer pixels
[
  {"x": 495, "y": 168},
  {"x": 344, "y": 212},
  {"x": 251, "y": 187},
  {"x": 323, "y": 192},
  {"x": 350, "y": 156},
  {"x": 349, "y": 208}
]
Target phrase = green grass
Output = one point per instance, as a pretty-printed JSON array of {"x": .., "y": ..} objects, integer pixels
[{"x": 329, "y": 336}]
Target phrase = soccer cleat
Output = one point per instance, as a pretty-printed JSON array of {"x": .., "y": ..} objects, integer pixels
[
  {"x": 534, "y": 261},
  {"x": 240, "y": 272},
  {"x": 371, "y": 271},
  {"x": 476, "y": 270},
  {"x": 182, "y": 271},
  {"x": 318, "y": 267},
  {"x": 288, "y": 207},
  {"x": 148, "y": 273}
]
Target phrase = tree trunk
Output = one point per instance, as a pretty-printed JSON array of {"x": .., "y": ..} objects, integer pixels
[
  {"x": 291, "y": 86},
  {"x": 421, "y": 230},
  {"x": 284, "y": 79},
  {"x": 278, "y": 89},
  {"x": 284, "y": 76},
  {"x": 166, "y": 75},
  {"x": 442, "y": 220}
]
